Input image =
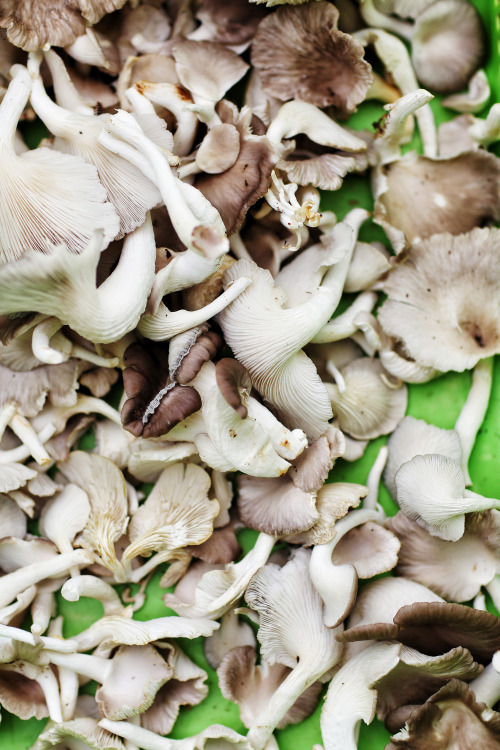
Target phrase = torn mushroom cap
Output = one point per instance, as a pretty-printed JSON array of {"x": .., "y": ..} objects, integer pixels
[
  {"x": 447, "y": 45},
  {"x": 72, "y": 204},
  {"x": 186, "y": 687},
  {"x": 155, "y": 405},
  {"x": 431, "y": 491},
  {"x": 178, "y": 512},
  {"x": 454, "y": 571},
  {"x": 421, "y": 195},
  {"x": 310, "y": 470},
  {"x": 366, "y": 406},
  {"x": 314, "y": 62},
  {"x": 415, "y": 437},
  {"x": 252, "y": 686},
  {"x": 30, "y": 390},
  {"x": 441, "y": 302}
]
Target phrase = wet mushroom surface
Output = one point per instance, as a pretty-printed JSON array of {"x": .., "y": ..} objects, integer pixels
[{"x": 249, "y": 390}]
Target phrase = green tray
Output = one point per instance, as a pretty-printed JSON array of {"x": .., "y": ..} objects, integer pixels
[{"x": 438, "y": 402}]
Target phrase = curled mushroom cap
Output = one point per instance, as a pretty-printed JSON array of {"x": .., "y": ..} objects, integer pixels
[
  {"x": 447, "y": 45},
  {"x": 155, "y": 403},
  {"x": 314, "y": 62},
  {"x": 231, "y": 376},
  {"x": 442, "y": 301}
]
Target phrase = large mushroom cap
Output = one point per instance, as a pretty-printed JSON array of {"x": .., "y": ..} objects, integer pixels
[
  {"x": 443, "y": 302},
  {"x": 447, "y": 45},
  {"x": 313, "y": 60}
]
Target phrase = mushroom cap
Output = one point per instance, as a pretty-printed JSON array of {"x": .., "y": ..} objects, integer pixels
[
  {"x": 452, "y": 717},
  {"x": 443, "y": 302},
  {"x": 447, "y": 45},
  {"x": 424, "y": 196},
  {"x": 155, "y": 405},
  {"x": 231, "y": 376},
  {"x": 275, "y": 506},
  {"x": 314, "y": 61},
  {"x": 454, "y": 571}
]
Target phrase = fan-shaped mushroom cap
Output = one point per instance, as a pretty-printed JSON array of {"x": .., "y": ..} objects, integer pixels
[
  {"x": 447, "y": 45},
  {"x": 423, "y": 196},
  {"x": 415, "y": 437},
  {"x": 252, "y": 686},
  {"x": 314, "y": 61},
  {"x": 442, "y": 302},
  {"x": 454, "y": 571},
  {"x": 367, "y": 407},
  {"x": 207, "y": 69},
  {"x": 275, "y": 506}
]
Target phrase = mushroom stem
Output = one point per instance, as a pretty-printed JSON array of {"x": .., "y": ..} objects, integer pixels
[
  {"x": 23, "y": 636},
  {"x": 42, "y": 610},
  {"x": 374, "y": 17},
  {"x": 321, "y": 560},
  {"x": 13, "y": 104},
  {"x": 396, "y": 59},
  {"x": 297, "y": 681},
  {"x": 6, "y": 413},
  {"x": 22, "y": 452},
  {"x": 479, "y": 602},
  {"x": 487, "y": 131},
  {"x": 337, "y": 377},
  {"x": 344, "y": 325},
  {"x": 143, "y": 738},
  {"x": 15, "y": 582},
  {"x": 42, "y": 349},
  {"x": 93, "y": 667},
  {"x": 48, "y": 682},
  {"x": 373, "y": 481},
  {"x": 97, "y": 589},
  {"x": 66, "y": 93},
  {"x": 473, "y": 411},
  {"x": 27, "y": 435},
  {"x": 493, "y": 589},
  {"x": 165, "y": 324},
  {"x": 486, "y": 687}
]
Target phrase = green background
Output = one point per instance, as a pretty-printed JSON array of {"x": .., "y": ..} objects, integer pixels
[{"x": 438, "y": 402}]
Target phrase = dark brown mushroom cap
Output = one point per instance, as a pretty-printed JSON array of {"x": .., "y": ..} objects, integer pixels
[
  {"x": 299, "y": 52},
  {"x": 154, "y": 404},
  {"x": 447, "y": 45},
  {"x": 237, "y": 189},
  {"x": 203, "y": 350},
  {"x": 435, "y": 627},
  {"x": 32, "y": 24},
  {"x": 425, "y": 196},
  {"x": 231, "y": 375},
  {"x": 451, "y": 718},
  {"x": 416, "y": 678}
]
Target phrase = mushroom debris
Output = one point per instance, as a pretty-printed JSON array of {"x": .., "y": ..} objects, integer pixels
[{"x": 195, "y": 355}]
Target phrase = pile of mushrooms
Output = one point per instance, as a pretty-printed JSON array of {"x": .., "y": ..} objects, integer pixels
[{"x": 190, "y": 339}]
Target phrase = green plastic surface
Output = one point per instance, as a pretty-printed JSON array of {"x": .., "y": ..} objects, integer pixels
[{"x": 438, "y": 402}]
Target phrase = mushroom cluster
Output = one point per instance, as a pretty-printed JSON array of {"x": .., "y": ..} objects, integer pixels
[{"x": 198, "y": 345}]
